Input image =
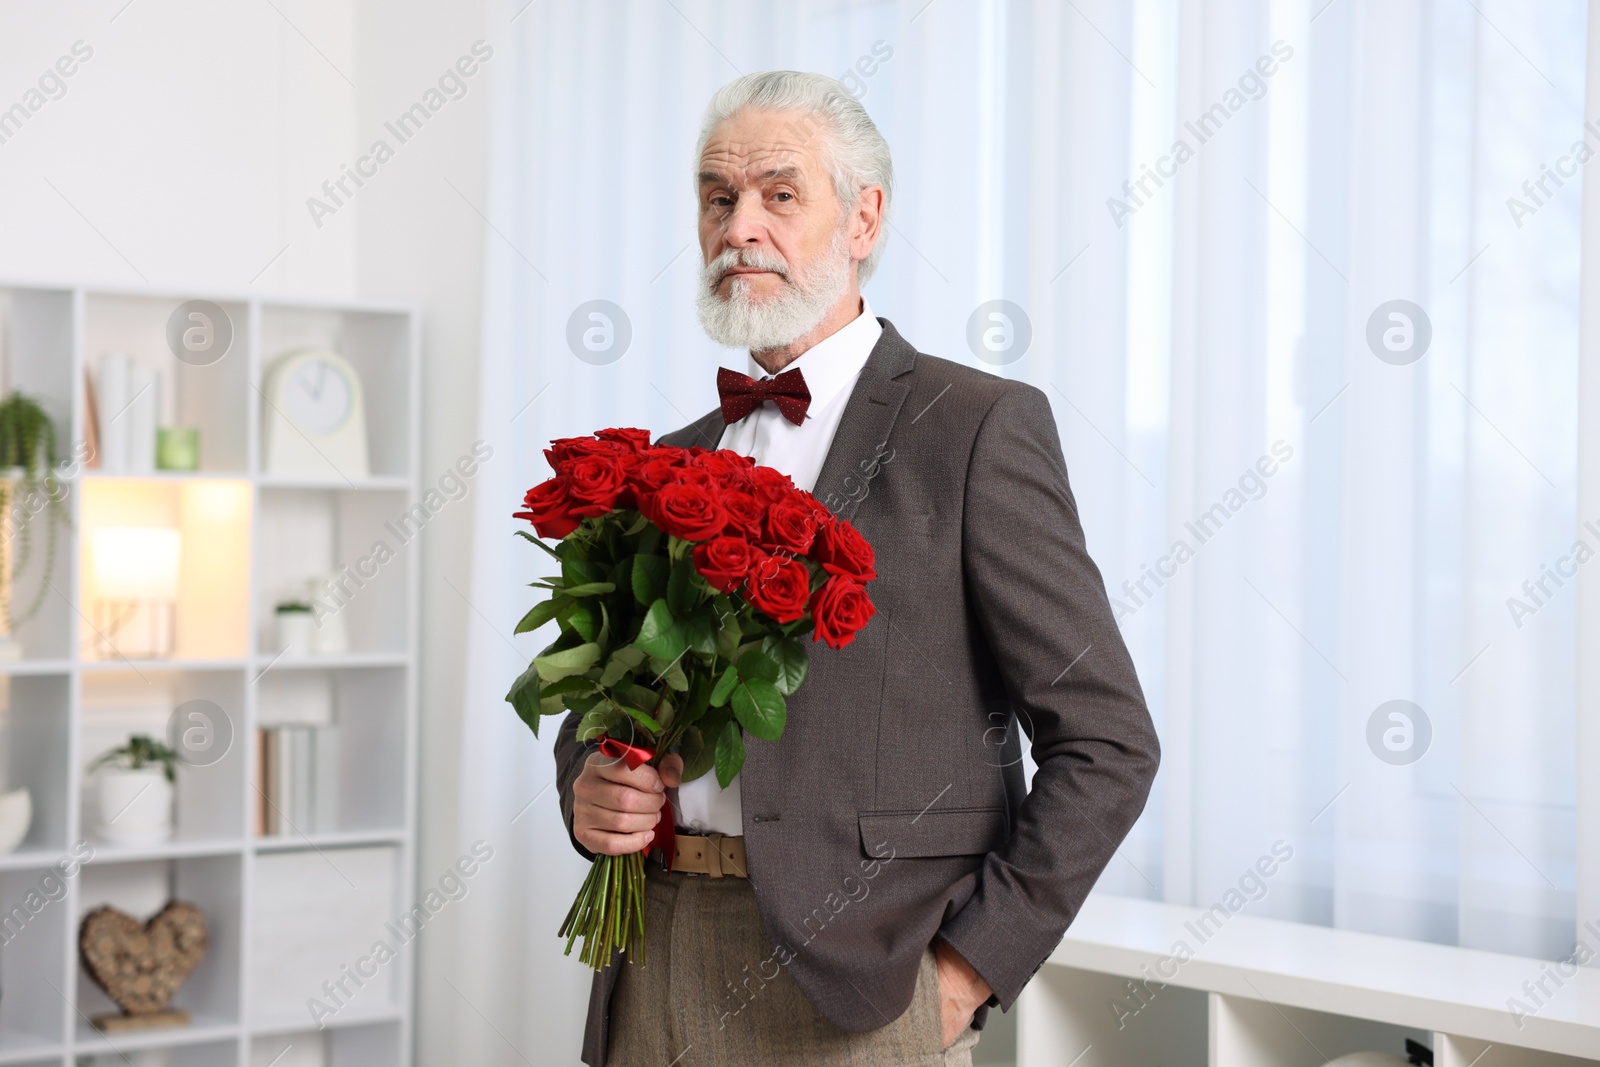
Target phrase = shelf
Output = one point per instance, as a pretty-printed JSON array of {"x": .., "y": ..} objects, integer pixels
[
  {"x": 23, "y": 667},
  {"x": 309, "y": 842},
  {"x": 382, "y": 483},
  {"x": 30, "y": 859},
  {"x": 201, "y": 1029},
  {"x": 106, "y": 853},
  {"x": 351, "y": 1017},
  {"x": 244, "y": 533},
  {"x": 1364, "y": 977},
  {"x": 93, "y": 475},
  {"x": 347, "y": 661},
  {"x": 162, "y": 666}
]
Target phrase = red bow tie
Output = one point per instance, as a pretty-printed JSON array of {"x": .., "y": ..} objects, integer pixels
[{"x": 742, "y": 394}]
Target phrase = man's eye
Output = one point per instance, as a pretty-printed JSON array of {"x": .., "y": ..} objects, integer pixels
[
  {"x": 789, "y": 195},
  {"x": 721, "y": 201}
]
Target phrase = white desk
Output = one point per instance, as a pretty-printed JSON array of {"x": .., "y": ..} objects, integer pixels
[{"x": 1266, "y": 993}]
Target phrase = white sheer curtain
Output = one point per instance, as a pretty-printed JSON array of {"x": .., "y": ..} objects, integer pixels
[{"x": 1226, "y": 313}]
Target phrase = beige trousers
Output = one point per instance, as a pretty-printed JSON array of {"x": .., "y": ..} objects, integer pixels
[{"x": 701, "y": 999}]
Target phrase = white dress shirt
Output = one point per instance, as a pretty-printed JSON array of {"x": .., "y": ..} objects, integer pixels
[{"x": 830, "y": 368}]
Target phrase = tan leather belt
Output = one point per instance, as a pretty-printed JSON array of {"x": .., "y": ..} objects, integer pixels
[{"x": 712, "y": 854}]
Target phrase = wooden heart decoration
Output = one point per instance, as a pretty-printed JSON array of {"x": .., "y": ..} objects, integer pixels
[{"x": 142, "y": 966}]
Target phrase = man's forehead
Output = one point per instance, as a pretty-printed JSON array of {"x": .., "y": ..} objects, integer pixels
[{"x": 755, "y": 158}]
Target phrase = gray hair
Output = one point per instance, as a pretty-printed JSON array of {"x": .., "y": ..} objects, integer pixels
[{"x": 854, "y": 151}]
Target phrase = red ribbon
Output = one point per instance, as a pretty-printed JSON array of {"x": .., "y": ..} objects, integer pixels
[{"x": 635, "y": 756}]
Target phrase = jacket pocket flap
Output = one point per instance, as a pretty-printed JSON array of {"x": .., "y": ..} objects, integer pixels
[{"x": 956, "y": 832}]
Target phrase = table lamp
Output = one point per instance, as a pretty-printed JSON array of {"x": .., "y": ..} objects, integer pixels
[{"x": 136, "y": 591}]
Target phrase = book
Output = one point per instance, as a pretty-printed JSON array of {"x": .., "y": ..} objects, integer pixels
[{"x": 298, "y": 768}]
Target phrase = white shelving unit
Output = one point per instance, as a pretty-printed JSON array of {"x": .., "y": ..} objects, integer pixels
[
  {"x": 1266, "y": 993},
  {"x": 246, "y": 536}
]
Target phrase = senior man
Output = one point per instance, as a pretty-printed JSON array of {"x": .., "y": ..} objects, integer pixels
[{"x": 872, "y": 883}]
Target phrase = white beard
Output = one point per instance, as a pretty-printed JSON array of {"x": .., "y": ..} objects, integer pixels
[{"x": 739, "y": 321}]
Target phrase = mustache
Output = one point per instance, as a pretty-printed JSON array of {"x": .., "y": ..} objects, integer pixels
[{"x": 719, "y": 268}]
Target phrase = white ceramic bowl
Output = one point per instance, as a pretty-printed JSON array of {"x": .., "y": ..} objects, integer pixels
[{"x": 16, "y": 814}]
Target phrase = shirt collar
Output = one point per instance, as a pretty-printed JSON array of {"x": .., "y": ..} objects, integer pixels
[{"x": 833, "y": 362}]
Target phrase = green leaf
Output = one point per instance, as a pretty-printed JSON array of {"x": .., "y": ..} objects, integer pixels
[
  {"x": 790, "y": 656},
  {"x": 698, "y": 756},
  {"x": 728, "y": 630},
  {"x": 675, "y": 677},
  {"x": 596, "y": 722},
  {"x": 575, "y": 692},
  {"x": 586, "y": 620},
  {"x": 697, "y": 702},
  {"x": 524, "y": 697},
  {"x": 589, "y": 589},
  {"x": 576, "y": 570},
  {"x": 724, "y": 687},
  {"x": 540, "y": 614},
  {"x": 700, "y": 630},
  {"x": 526, "y": 536},
  {"x": 760, "y": 708},
  {"x": 623, "y": 660},
  {"x": 649, "y": 543},
  {"x": 638, "y": 524},
  {"x": 649, "y": 578},
  {"x": 576, "y": 683},
  {"x": 660, "y": 634},
  {"x": 730, "y": 754},
  {"x": 642, "y": 718},
  {"x": 757, "y": 665},
  {"x": 570, "y": 661},
  {"x": 682, "y": 593},
  {"x": 583, "y": 702}
]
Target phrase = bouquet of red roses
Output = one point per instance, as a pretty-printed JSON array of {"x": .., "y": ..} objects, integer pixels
[{"x": 687, "y": 577}]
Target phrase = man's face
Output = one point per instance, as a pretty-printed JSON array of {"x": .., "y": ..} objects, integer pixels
[{"x": 764, "y": 189}]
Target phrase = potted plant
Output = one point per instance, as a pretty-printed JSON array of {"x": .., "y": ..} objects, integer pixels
[
  {"x": 296, "y": 626},
  {"x": 28, "y": 484},
  {"x": 135, "y": 784}
]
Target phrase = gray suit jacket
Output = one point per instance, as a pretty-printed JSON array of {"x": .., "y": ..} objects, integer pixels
[{"x": 893, "y": 809}]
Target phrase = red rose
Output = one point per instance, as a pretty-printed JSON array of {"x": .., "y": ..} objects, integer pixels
[
  {"x": 791, "y": 526},
  {"x": 841, "y": 549},
  {"x": 597, "y": 485},
  {"x": 637, "y": 440},
  {"x": 819, "y": 509},
  {"x": 564, "y": 450},
  {"x": 771, "y": 484},
  {"x": 687, "y": 510},
  {"x": 745, "y": 513},
  {"x": 839, "y": 609},
  {"x": 674, "y": 456},
  {"x": 548, "y": 509},
  {"x": 726, "y": 466},
  {"x": 780, "y": 587},
  {"x": 652, "y": 474},
  {"x": 725, "y": 562}
]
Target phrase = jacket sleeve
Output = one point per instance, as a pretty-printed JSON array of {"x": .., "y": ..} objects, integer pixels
[
  {"x": 1041, "y": 606},
  {"x": 570, "y": 757}
]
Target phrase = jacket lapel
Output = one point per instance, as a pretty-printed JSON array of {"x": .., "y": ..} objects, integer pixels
[
  {"x": 864, "y": 428},
  {"x": 706, "y": 431}
]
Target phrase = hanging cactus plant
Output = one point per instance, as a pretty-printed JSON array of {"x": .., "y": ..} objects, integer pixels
[{"x": 28, "y": 446}]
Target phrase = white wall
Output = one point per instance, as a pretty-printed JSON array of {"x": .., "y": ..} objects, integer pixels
[{"x": 182, "y": 154}]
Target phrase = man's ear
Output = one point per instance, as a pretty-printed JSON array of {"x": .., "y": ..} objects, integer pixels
[{"x": 866, "y": 221}]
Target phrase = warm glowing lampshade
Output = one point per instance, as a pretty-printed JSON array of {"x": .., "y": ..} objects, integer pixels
[{"x": 136, "y": 563}]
